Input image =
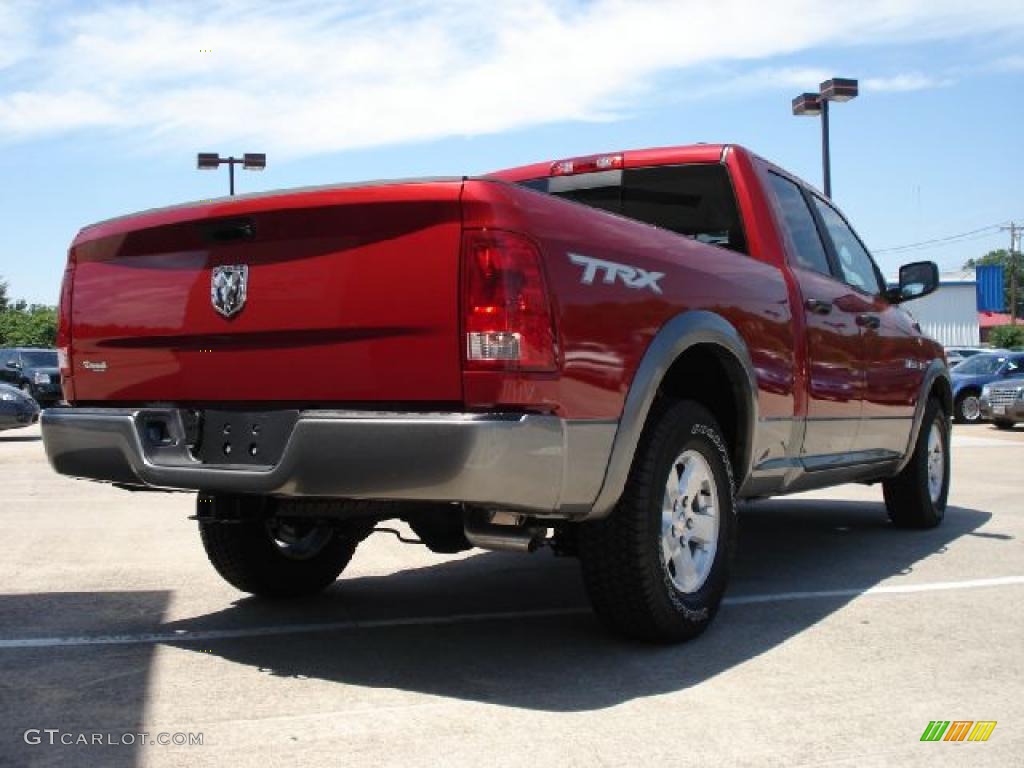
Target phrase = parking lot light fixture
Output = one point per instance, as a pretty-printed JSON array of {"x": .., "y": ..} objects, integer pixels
[
  {"x": 807, "y": 105},
  {"x": 254, "y": 161},
  {"x": 816, "y": 104},
  {"x": 250, "y": 161}
]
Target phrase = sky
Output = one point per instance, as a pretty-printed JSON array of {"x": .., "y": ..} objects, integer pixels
[{"x": 103, "y": 105}]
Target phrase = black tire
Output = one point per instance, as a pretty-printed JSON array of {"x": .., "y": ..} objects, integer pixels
[
  {"x": 907, "y": 496},
  {"x": 962, "y": 401},
  {"x": 630, "y": 586},
  {"x": 245, "y": 553},
  {"x": 1003, "y": 423}
]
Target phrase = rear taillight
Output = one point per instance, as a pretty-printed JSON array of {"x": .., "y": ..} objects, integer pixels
[
  {"x": 506, "y": 308},
  {"x": 64, "y": 328}
]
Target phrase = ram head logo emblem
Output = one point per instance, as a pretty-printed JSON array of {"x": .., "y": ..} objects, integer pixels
[{"x": 228, "y": 287}]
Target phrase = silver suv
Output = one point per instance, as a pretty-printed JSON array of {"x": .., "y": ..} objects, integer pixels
[{"x": 1003, "y": 402}]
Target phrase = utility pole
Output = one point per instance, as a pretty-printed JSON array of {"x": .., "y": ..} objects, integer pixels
[{"x": 1015, "y": 233}]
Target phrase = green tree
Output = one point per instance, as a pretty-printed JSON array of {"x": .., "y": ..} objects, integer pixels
[
  {"x": 32, "y": 326},
  {"x": 1001, "y": 258},
  {"x": 25, "y": 325},
  {"x": 1007, "y": 336}
]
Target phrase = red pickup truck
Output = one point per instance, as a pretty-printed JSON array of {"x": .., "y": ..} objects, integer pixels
[{"x": 603, "y": 354}]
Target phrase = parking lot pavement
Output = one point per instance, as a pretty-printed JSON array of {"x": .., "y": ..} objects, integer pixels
[{"x": 840, "y": 640}]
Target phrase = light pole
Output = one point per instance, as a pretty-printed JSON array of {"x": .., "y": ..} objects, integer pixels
[
  {"x": 250, "y": 161},
  {"x": 814, "y": 104}
]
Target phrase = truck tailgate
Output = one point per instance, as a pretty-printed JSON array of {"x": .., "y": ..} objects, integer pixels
[{"x": 351, "y": 295}]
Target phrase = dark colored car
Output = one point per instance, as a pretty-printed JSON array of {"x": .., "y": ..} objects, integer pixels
[
  {"x": 33, "y": 371},
  {"x": 16, "y": 408},
  {"x": 1003, "y": 402},
  {"x": 973, "y": 374}
]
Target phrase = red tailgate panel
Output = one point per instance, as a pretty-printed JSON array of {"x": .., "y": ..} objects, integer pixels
[{"x": 352, "y": 296}]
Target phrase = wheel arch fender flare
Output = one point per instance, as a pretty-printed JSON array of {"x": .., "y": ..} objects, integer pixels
[
  {"x": 938, "y": 382},
  {"x": 672, "y": 340}
]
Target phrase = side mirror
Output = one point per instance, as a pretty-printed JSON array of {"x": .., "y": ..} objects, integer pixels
[
  {"x": 14, "y": 364},
  {"x": 916, "y": 280}
]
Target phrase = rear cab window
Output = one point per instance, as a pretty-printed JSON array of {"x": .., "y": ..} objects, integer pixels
[{"x": 694, "y": 200}]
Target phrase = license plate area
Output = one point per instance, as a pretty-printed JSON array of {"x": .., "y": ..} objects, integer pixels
[{"x": 253, "y": 438}]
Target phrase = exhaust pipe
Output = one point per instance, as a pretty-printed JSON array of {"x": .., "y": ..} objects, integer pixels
[{"x": 502, "y": 531}]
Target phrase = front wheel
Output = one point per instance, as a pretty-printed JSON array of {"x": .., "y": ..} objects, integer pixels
[
  {"x": 656, "y": 568},
  {"x": 967, "y": 409},
  {"x": 271, "y": 557},
  {"x": 916, "y": 497}
]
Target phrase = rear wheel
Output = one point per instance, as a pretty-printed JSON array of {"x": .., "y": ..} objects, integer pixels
[
  {"x": 1003, "y": 423},
  {"x": 916, "y": 497},
  {"x": 656, "y": 568},
  {"x": 967, "y": 409},
  {"x": 270, "y": 556}
]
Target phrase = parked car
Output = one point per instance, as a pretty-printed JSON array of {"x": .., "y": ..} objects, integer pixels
[
  {"x": 973, "y": 374},
  {"x": 17, "y": 409},
  {"x": 1003, "y": 402},
  {"x": 956, "y": 355},
  {"x": 33, "y": 371},
  {"x": 612, "y": 348}
]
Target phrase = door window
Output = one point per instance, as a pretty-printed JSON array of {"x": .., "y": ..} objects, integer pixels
[
  {"x": 855, "y": 265},
  {"x": 810, "y": 253}
]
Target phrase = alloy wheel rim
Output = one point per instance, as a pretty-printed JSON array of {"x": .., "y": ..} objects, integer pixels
[
  {"x": 936, "y": 462},
  {"x": 972, "y": 408},
  {"x": 689, "y": 521}
]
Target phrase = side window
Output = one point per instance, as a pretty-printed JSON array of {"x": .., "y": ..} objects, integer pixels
[
  {"x": 810, "y": 253},
  {"x": 857, "y": 268}
]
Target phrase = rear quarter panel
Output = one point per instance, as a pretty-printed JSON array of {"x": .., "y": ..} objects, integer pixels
[{"x": 604, "y": 329}]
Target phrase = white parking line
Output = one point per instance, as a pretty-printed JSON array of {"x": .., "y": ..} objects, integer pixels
[
  {"x": 973, "y": 441},
  {"x": 182, "y": 635}
]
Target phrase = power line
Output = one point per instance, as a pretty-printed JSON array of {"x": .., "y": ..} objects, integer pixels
[
  {"x": 942, "y": 243},
  {"x": 978, "y": 234}
]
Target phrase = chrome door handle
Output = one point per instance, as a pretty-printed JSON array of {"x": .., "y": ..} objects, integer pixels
[{"x": 868, "y": 321}]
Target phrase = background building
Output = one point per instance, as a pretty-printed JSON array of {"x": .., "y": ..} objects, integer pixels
[{"x": 950, "y": 315}]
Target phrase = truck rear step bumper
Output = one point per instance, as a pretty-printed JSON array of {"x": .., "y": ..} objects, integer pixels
[{"x": 536, "y": 463}]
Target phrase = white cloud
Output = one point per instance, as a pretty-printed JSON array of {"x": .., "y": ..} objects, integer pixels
[
  {"x": 311, "y": 76},
  {"x": 910, "y": 81},
  {"x": 16, "y": 31}
]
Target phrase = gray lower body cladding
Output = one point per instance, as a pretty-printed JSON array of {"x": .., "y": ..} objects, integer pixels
[{"x": 540, "y": 464}]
